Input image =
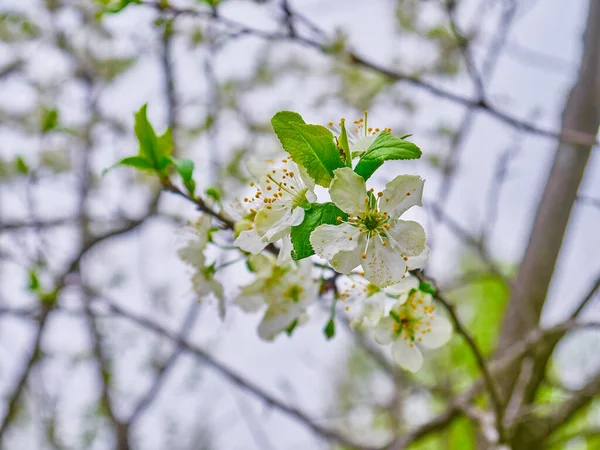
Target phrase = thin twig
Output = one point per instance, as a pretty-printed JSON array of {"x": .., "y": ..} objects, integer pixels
[
  {"x": 565, "y": 135},
  {"x": 461, "y": 329}
]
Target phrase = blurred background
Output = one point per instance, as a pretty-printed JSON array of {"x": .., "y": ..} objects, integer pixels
[{"x": 94, "y": 300}]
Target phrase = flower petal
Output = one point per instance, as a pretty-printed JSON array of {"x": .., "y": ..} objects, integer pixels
[
  {"x": 328, "y": 240},
  {"x": 402, "y": 193},
  {"x": 408, "y": 237},
  {"x": 416, "y": 262},
  {"x": 384, "y": 331},
  {"x": 374, "y": 307},
  {"x": 348, "y": 191},
  {"x": 356, "y": 314},
  {"x": 441, "y": 332},
  {"x": 383, "y": 265},
  {"x": 249, "y": 241},
  {"x": 266, "y": 219},
  {"x": 285, "y": 251},
  {"x": 277, "y": 318},
  {"x": 363, "y": 144},
  {"x": 250, "y": 303},
  {"x": 261, "y": 264},
  {"x": 407, "y": 354},
  {"x": 308, "y": 181},
  {"x": 193, "y": 254},
  {"x": 346, "y": 261},
  {"x": 404, "y": 287},
  {"x": 275, "y": 225}
]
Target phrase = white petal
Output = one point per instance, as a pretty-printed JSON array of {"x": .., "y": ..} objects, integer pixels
[
  {"x": 441, "y": 332},
  {"x": 348, "y": 191},
  {"x": 416, "y": 262},
  {"x": 328, "y": 240},
  {"x": 282, "y": 226},
  {"x": 383, "y": 265},
  {"x": 407, "y": 355},
  {"x": 257, "y": 169},
  {"x": 356, "y": 314},
  {"x": 402, "y": 193},
  {"x": 346, "y": 261},
  {"x": 261, "y": 264},
  {"x": 249, "y": 241},
  {"x": 310, "y": 196},
  {"x": 384, "y": 331},
  {"x": 404, "y": 287},
  {"x": 408, "y": 237},
  {"x": 267, "y": 218},
  {"x": 285, "y": 251},
  {"x": 277, "y": 319},
  {"x": 193, "y": 254},
  {"x": 375, "y": 307},
  {"x": 216, "y": 288},
  {"x": 363, "y": 144},
  {"x": 249, "y": 303},
  {"x": 308, "y": 181},
  {"x": 201, "y": 285}
]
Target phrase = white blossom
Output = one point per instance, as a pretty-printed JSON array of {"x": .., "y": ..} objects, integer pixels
[
  {"x": 410, "y": 325},
  {"x": 282, "y": 192},
  {"x": 360, "y": 135},
  {"x": 373, "y": 236},
  {"x": 286, "y": 291},
  {"x": 203, "y": 280}
]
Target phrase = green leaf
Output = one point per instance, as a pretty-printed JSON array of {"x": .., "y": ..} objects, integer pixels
[
  {"x": 329, "y": 329},
  {"x": 185, "y": 168},
  {"x": 318, "y": 214},
  {"x": 113, "y": 7},
  {"x": 49, "y": 119},
  {"x": 154, "y": 152},
  {"x": 386, "y": 147},
  {"x": 165, "y": 143},
  {"x": 21, "y": 165},
  {"x": 343, "y": 142},
  {"x": 146, "y": 137},
  {"x": 34, "y": 281},
  {"x": 289, "y": 330},
  {"x": 139, "y": 162},
  {"x": 426, "y": 287},
  {"x": 310, "y": 146},
  {"x": 213, "y": 193}
]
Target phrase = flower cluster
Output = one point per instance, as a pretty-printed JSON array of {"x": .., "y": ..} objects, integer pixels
[{"x": 359, "y": 231}]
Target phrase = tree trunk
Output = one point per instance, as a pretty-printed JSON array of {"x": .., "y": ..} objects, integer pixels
[{"x": 581, "y": 114}]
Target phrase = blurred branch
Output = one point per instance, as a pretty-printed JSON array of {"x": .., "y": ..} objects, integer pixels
[
  {"x": 456, "y": 406},
  {"x": 589, "y": 200},
  {"x": 536, "y": 272},
  {"x": 590, "y": 433},
  {"x": 13, "y": 398},
  {"x": 104, "y": 375},
  {"x": 233, "y": 377},
  {"x": 489, "y": 381},
  {"x": 588, "y": 298},
  {"x": 463, "y": 44},
  {"x": 493, "y": 52},
  {"x": 153, "y": 391},
  {"x": 13, "y": 226},
  {"x": 565, "y": 135},
  {"x": 256, "y": 429},
  {"x": 11, "y": 68},
  {"x": 200, "y": 204},
  {"x": 467, "y": 238},
  {"x": 542, "y": 427}
]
